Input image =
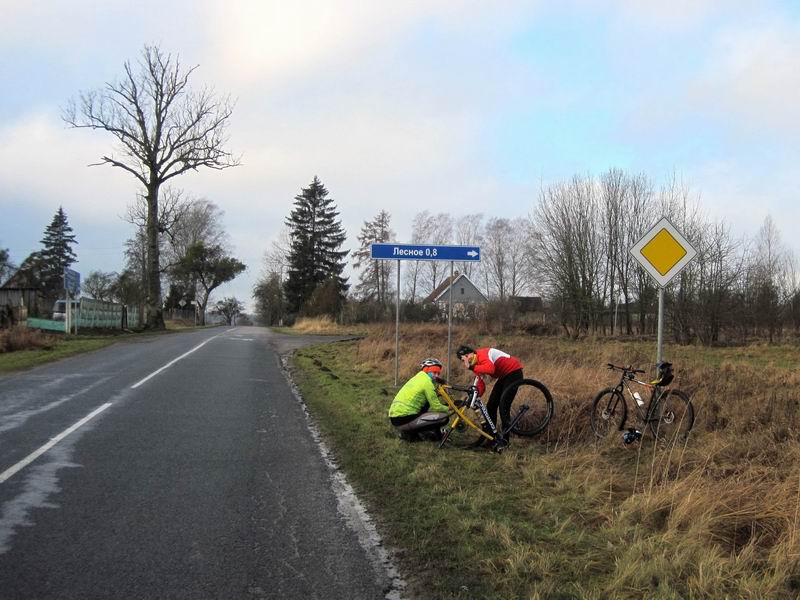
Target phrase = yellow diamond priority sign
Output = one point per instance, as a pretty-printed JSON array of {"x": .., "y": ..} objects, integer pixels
[{"x": 663, "y": 252}]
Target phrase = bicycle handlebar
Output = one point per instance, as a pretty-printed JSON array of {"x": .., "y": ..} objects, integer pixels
[
  {"x": 628, "y": 369},
  {"x": 459, "y": 388}
]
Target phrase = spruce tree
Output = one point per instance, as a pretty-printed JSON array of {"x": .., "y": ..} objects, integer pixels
[
  {"x": 316, "y": 236},
  {"x": 57, "y": 253}
]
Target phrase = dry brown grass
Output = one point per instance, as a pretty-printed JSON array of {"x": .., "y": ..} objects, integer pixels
[
  {"x": 22, "y": 338},
  {"x": 720, "y": 513},
  {"x": 317, "y": 326}
]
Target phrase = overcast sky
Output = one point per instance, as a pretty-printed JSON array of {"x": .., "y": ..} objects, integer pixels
[{"x": 460, "y": 107}]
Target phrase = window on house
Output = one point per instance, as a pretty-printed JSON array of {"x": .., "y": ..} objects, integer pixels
[{"x": 462, "y": 291}]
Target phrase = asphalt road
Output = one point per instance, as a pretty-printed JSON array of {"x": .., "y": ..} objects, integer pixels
[{"x": 198, "y": 480}]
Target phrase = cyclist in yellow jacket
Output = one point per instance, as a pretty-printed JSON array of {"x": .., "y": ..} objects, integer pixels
[{"x": 416, "y": 410}]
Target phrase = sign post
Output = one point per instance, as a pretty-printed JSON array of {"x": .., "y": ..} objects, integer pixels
[
  {"x": 72, "y": 287},
  {"x": 399, "y": 252},
  {"x": 663, "y": 252}
]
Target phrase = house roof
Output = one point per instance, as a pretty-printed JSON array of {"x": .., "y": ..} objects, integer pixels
[{"x": 443, "y": 287}]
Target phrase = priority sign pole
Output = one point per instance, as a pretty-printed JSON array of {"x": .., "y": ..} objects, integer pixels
[
  {"x": 660, "y": 349},
  {"x": 663, "y": 252}
]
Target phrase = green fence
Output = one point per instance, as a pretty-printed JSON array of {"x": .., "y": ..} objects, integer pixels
[
  {"x": 95, "y": 314},
  {"x": 46, "y": 324}
]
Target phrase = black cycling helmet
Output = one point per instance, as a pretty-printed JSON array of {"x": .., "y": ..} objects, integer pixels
[
  {"x": 664, "y": 374},
  {"x": 463, "y": 350}
]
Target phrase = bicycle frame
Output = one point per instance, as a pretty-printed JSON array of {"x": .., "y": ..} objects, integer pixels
[
  {"x": 628, "y": 377},
  {"x": 497, "y": 437}
]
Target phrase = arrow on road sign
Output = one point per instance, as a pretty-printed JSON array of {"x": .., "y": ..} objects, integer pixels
[{"x": 384, "y": 251}]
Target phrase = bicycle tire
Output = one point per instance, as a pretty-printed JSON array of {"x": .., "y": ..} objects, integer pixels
[
  {"x": 538, "y": 399},
  {"x": 464, "y": 436},
  {"x": 675, "y": 416},
  {"x": 608, "y": 409}
]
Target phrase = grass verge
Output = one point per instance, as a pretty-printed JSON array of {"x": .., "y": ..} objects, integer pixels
[
  {"x": 60, "y": 348},
  {"x": 38, "y": 348},
  {"x": 566, "y": 516}
]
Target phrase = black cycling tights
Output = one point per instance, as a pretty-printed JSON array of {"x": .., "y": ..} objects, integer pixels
[{"x": 497, "y": 393}]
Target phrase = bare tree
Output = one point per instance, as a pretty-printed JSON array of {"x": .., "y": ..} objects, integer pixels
[
  {"x": 422, "y": 232},
  {"x": 172, "y": 207},
  {"x": 276, "y": 259},
  {"x": 637, "y": 216},
  {"x": 228, "y": 308},
  {"x": 570, "y": 246},
  {"x": 440, "y": 232},
  {"x": 771, "y": 268},
  {"x": 7, "y": 268},
  {"x": 504, "y": 255},
  {"x": 375, "y": 278},
  {"x": 468, "y": 231},
  {"x": 100, "y": 286},
  {"x": 201, "y": 221},
  {"x": 163, "y": 130}
]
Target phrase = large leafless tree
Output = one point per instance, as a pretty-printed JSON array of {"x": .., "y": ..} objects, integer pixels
[{"x": 163, "y": 130}]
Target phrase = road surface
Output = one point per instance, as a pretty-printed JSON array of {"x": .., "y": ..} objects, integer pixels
[{"x": 173, "y": 466}]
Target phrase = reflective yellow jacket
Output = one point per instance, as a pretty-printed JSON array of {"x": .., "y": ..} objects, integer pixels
[{"x": 414, "y": 394}]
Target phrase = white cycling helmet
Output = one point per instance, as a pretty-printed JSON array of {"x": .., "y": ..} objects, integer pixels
[{"x": 431, "y": 365}]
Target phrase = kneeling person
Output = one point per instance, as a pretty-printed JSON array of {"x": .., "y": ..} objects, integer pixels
[{"x": 416, "y": 410}]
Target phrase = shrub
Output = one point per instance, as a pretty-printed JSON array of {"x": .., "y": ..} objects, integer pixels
[{"x": 22, "y": 338}]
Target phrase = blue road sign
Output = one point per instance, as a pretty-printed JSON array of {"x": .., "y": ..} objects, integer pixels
[
  {"x": 72, "y": 281},
  {"x": 411, "y": 252}
]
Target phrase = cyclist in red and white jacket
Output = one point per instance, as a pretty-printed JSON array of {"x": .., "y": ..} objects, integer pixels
[{"x": 497, "y": 364}]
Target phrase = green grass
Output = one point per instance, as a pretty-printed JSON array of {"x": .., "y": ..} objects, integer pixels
[
  {"x": 70, "y": 346},
  {"x": 473, "y": 525},
  {"x": 576, "y": 518},
  {"x": 26, "y": 359}
]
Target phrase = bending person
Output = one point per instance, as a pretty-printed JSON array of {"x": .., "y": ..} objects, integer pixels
[
  {"x": 416, "y": 410},
  {"x": 491, "y": 362}
]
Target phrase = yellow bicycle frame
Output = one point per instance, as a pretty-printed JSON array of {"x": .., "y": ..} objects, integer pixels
[{"x": 460, "y": 415}]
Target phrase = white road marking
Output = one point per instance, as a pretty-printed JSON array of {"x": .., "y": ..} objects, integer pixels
[
  {"x": 172, "y": 362},
  {"x": 37, "y": 453},
  {"x": 241, "y": 339},
  {"x": 232, "y": 329},
  {"x": 12, "y": 421}
]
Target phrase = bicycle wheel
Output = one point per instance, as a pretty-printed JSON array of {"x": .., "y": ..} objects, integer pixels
[
  {"x": 463, "y": 435},
  {"x": 672, "y": 417},
  {"x": 536, "y": 397},
  {"x": 609, "y": 412}
]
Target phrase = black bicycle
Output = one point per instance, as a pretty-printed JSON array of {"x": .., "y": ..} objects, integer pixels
[{"x": 669, "y": 412}]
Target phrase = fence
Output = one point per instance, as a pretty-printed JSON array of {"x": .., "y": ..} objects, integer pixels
[{"x": 95, "y": 314}]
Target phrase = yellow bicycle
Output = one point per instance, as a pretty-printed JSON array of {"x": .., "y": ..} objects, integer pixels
[{"x": 528, "y": 413}]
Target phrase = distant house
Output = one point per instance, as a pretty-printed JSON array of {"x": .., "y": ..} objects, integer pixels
[{"x": 466, "y": 295}]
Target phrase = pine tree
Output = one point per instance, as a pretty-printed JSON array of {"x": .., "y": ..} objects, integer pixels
[
  {"x": 374, "y": 280},
  {"x": 57, "y": 253},
  {"x": 316, "y": 236}
]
